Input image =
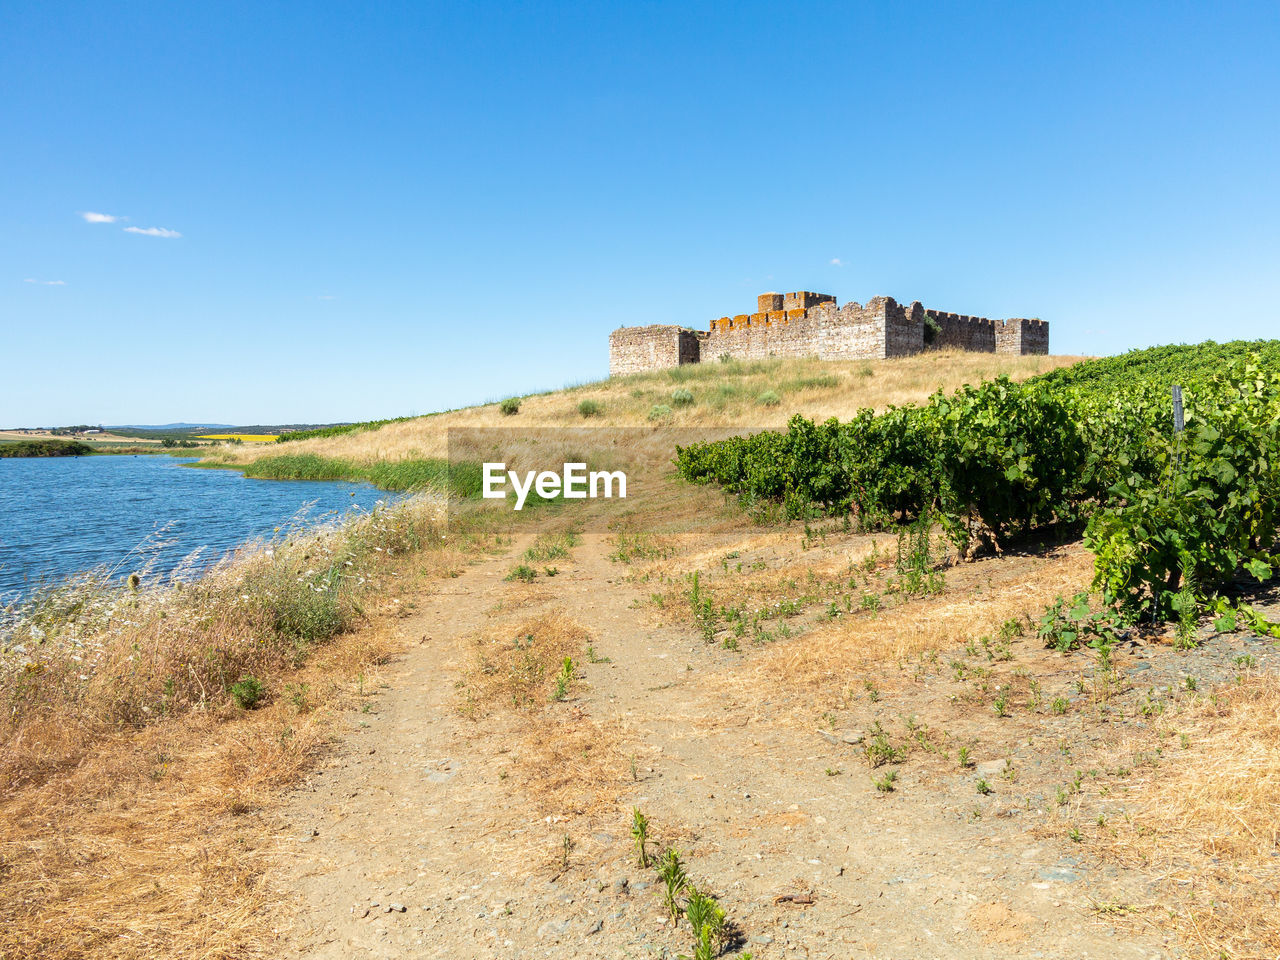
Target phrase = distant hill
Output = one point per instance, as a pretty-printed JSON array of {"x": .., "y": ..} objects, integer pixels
[
  {"x": 186, "y": 429},
  {"x": 173, "y": 426}
]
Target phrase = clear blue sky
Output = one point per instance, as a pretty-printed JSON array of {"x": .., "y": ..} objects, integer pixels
[{"x": 391, "y": 208}]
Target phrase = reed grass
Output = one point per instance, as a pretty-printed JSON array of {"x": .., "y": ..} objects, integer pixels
[{"x": 411, "y": 474}]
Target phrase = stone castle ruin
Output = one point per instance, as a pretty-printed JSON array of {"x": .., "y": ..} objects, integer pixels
[{"x": 806, "y": 324}]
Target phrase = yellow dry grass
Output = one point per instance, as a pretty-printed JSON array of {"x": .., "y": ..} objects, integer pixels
[
  {"x": 835, "y": 655},
  {"x": 753, "y": 580},
  {"x": 1210, "y": 823},
  {"x": 244, "y": 437},
  {"x": 563, "y": 760},
  {"x": 517, "y": 665},
  {"x": 152, "y": 843}
]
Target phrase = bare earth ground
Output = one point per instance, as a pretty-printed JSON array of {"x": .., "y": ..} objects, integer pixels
[{"x": 451, "y": 823}]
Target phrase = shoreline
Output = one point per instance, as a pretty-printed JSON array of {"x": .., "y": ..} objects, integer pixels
[{"x": 36, "y": 573}]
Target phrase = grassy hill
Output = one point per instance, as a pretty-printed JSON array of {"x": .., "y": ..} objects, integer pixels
[{"x": 749, "y": 394}]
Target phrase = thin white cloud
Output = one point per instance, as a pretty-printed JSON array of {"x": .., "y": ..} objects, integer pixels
[
  {"x": 837, "y": 262},
  {"x": 46, "y": 283},
  {"x": 154, "y": 232},
  {"x": 91, "y": 217},
  {"x": 326, "y": 296}
]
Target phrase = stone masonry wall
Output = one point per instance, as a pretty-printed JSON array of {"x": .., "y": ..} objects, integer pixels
[
  {"x": 636, "y": 349},
  {"x": 959, "y": 332},
  {"x": 1023, "y": 336},
  {"x": 883, "y": 328},
  {"x": 811, "y": 324},
  {"x": 904, "y": 327}
]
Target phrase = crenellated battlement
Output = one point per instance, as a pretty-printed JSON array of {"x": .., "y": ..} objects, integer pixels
[{"x": 805, "y": 323}]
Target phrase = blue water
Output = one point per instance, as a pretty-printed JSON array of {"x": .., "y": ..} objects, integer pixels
[{"x": 63, "y": 515}]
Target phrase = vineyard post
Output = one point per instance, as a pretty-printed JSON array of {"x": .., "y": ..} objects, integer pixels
[{"x": 1178, "y": 424}]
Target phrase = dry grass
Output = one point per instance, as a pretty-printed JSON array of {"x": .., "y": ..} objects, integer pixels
[
  {"x": 725, "y": 395},
  {"x": 517, "y": 666},
  {"x": 821, "y": 663},
  {"x": 1210, "y": 823},
  {"x": 758, "y": 582},
  {"x": 134, "y": 789},
  {"x": 153, "y": 843},
  {"x": 564, "y": 761},
  {"x": 752, "y": 574}
]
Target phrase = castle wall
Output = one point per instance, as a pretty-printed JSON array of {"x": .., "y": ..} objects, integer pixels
[
  {"x": 811, "y": 324},
  {"x": 904, "y": 327},
  {"x": 883, "y": 328},
  {"x": 637, "y": 349},
  {"x": 959, "y": 332},
  {"x": 797, "y": 332},
  {"x": 1022, "y": 336},
  {"x": 851, "y": 332}
]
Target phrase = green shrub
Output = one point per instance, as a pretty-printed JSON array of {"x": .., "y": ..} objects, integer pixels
[
  {"x": 590, "y": 408},
  {"x": 1070, "y": 624},
  {"x": 885, "y": 782},
  {"x": 45, "y": 448},
  {"x": 246, "y": 692},
  {"x": 640, "y": 833},
  {"x": 768, "y": 399},
  {"x": 681, "y": 398},
  {"x": 564, "y": 679},
  {"x": 674, "y": 880},
  {"x": 659, "y": 411},
  {"x": 522, "y": 573},
  {"x": 510, "y": 406},
  {"x": 339, "y": 429},
  {"x": 303, "y": 607}
]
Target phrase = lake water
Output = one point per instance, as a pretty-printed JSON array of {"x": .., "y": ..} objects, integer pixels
[{"x": 64, "y": 515}]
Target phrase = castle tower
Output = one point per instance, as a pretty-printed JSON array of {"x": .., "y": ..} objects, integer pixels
[{"x": 804, "y": 299}]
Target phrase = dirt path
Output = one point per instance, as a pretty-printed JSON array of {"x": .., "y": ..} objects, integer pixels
[{"x": 411, "y": 842}]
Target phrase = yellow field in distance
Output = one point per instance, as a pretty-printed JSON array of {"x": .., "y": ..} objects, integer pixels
[{"x": 246, "y": 437}]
